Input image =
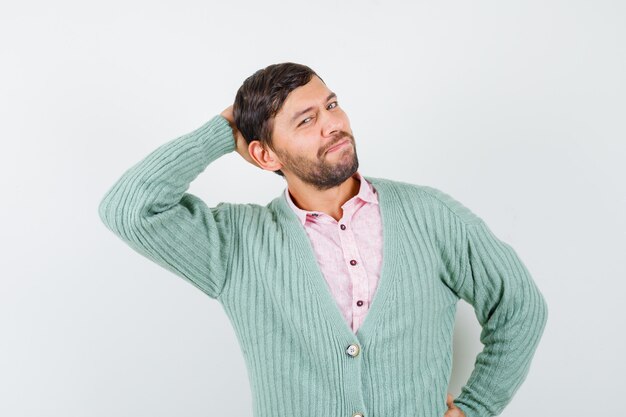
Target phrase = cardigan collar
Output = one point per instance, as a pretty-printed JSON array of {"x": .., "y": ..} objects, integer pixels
[{"x": 367, "y": 193}]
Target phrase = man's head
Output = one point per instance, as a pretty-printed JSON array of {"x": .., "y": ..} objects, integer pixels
[{"x": 295, "y": 119}]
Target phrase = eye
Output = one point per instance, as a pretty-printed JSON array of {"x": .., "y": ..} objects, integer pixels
[
  {"x": 332, "y": 105},
  {"x": 305, "y": 121}
]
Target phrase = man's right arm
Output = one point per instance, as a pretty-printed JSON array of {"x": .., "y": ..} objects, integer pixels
[{"x": 149, "y": 209}]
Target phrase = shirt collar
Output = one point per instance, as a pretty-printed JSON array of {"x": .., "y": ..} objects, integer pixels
[{"x": 366, "y": 193}]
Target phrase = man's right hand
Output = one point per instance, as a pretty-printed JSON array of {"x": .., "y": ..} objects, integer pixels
[{"x": 241, "y": 144}]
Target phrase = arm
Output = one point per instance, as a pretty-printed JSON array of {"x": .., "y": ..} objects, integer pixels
[
  {"x": 149, "y": 209},
  {"x": 512, "y": 313}
]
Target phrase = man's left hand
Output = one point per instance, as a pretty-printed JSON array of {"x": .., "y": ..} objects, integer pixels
[{"x": 453, "y": 410}]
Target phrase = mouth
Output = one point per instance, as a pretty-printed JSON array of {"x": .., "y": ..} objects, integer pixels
[{"x": 338, "y": 146}]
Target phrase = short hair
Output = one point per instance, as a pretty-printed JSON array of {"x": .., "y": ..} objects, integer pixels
[{"x": 261, "y": 96}]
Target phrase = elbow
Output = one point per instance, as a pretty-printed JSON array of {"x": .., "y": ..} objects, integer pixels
[
  {"x": 118, "y": 213},
  {"x": 539, "y": 314},
  {"x": 535, "y": 316},
  {"x": 543, "y": 311},
  {"x": 111, "y": 212},
  {"x": 104, "y": 212}
]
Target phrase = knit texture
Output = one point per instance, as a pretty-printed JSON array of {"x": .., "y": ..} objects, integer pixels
[{"x": 258, "y": 262}]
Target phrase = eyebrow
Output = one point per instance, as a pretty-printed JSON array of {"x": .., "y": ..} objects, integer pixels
[{"x": 308, "y": 109}]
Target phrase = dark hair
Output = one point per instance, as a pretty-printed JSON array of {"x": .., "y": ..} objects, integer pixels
[{"x": 261, "y": 97}]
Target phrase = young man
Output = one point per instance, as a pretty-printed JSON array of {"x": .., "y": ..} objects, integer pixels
[{"x": 343, "y": 289}]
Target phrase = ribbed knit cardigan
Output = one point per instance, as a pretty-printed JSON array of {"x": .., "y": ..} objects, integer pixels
[{"x": 301, "y": 356}]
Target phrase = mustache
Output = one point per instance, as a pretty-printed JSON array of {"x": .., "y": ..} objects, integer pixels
[{"x": 338, "y": 138}]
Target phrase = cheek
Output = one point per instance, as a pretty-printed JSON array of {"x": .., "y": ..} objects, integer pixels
[
  {"x": 301, "y": 142},
  {"x": 346, "y": 119},
  {"x": 310, "y": 150},
  {"x": 298, "y": 148}
]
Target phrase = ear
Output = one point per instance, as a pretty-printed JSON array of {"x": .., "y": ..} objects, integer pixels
[{"x": 264, "y": 156}]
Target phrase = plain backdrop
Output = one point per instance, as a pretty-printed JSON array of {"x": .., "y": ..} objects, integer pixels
[{"x": 515, "y": 108}]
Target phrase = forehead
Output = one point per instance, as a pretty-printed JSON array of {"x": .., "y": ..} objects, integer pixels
[{"x": 304, "y": 96}]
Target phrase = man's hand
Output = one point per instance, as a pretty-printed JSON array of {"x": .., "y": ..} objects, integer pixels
[
  {"x": 453, "y": 410},
  {"x": 240, "y": 142}
]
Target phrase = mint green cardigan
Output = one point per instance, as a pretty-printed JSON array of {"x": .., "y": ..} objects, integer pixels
[{"x": 301, "y": 356}]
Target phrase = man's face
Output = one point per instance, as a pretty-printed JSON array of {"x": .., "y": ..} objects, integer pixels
[{"x": 307, "y": 126}]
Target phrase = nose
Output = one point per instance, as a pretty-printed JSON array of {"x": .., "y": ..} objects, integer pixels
[{"x": 332, "y": 123}]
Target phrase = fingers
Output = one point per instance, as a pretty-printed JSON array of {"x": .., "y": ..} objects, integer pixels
[
  {"x": 227, "y": 113},
  {"x": 453, "y": 410}
]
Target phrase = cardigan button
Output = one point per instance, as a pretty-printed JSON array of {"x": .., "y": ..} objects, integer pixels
[
  {"x": 353, "y": 350},
  {"x": 352, "y": 262},
  {"x": 343, "y": 227}
]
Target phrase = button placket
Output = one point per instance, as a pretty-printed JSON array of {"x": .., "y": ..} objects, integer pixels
[{"x": 358, "y": 274}]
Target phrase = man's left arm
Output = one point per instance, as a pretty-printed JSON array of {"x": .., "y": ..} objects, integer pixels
[{"x": 512, "y": 312}]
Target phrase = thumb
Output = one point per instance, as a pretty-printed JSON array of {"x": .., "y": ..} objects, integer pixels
[{"x": 449, "y": 401}]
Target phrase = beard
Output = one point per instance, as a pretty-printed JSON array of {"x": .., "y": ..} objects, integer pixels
[{"x": 322, "y": 173}]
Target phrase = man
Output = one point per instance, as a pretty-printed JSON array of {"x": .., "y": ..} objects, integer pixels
[{"x": 342, "y": 290}]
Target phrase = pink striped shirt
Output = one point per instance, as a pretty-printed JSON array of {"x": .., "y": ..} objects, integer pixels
[{"x": 348, "y": 251}]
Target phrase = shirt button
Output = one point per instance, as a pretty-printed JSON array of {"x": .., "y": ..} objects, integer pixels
[
  {"x": 353, "y": 262},
  {"x": 357, "y": 415},
  {"x": 359, "y": 303},
  {"x": 343, "y": 227},
  {"x": 353, "y": 350}
]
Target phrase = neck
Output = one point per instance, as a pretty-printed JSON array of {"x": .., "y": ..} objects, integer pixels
[{"x": 329, "y": 201}]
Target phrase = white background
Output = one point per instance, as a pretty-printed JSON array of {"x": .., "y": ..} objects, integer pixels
[{"x": 515, "y": 108}]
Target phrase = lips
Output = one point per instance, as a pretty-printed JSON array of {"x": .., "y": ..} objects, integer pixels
[{"x": 337, "y": 146}]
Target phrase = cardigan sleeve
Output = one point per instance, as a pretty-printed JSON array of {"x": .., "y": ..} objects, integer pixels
[
  {"x": 512, "y": 312},
  {"x": 149, "y": 209}
]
